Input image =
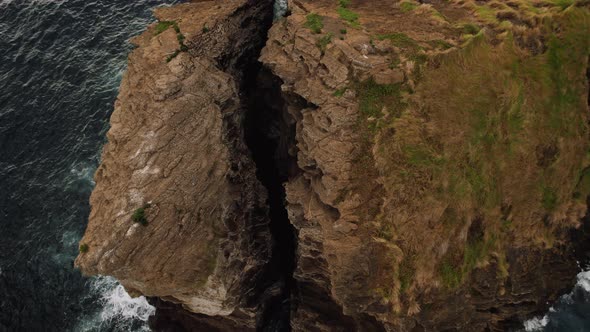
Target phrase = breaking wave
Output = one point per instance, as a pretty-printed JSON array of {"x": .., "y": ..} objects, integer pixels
[
  {"x": 61, "y": 63},
  {"x": 569, "y": 313},
  {"x": 119, "y": 310},
  {"x": 280, "y": 8}
]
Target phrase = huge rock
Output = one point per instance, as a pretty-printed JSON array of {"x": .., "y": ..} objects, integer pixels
[
  {"x": 398, "y": 228},
  {"x": 176, "y": 153}
]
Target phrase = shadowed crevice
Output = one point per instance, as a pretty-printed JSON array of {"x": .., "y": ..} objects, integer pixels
[{"x": 270, "y": 136}]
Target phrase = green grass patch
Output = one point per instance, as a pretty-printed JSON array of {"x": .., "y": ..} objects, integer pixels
[
  {"x": 314, "y": 22},
  {"x": 349, "y": 16},
  {"x": 420, "y": 156},
  {"x": 507, "y": 225},
  {"x": 385, "y": 232},
  {"x": 344, "y": 3},
  {"x": 407, "y": 6},
  {"x": 173, "y": 55},
  {"x": 515, "y": 117},
  {"x": 400, "y": 40},
  {"x": 476, "y": 252},
  {"x": 324, "y": 42},
  {"x": 84, "y": 248},
  {"x": 139, "y": 216},
  {"x": 419, "y": 58},
  {"x": 483, "y": 124},
  {"x": 164, "y": 25},
  {"x": 440, "y": 44},
  {"x": 453, "y": 272},
  {"x": 450, "y": 274},
  {"x": 438, "y": 15},
  {"x": 340, "y": 92},
  {"x": 549, "y": 198},
  {"x": 373, "y": 98},
  {"x": 563, "y": 4},
  {"x": 407, "y": 272},
  {"x": 470, "y": 29},
  {"x": 487, "y": 14},
  {"x": 564, "y": 54},
  {"x": 395, "y": 62}
]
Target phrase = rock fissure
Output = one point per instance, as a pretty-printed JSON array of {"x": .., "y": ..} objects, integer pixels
[
  {"x": 270, "y": 136},
  {"x": 269, "y": 132},
  {"x": 262, "y": 133}
]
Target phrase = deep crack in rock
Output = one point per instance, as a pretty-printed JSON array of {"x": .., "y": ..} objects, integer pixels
[
  {"x": 270, "y": 135},
  {"x": 268, "y": 131}
]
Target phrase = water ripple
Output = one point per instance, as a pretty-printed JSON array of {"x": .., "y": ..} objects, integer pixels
[{"x": 61, "y": 62}]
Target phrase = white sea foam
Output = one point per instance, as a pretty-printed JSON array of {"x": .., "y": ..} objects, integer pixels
[
  {"x": 584, "y": 280},
  {"x": 118, "y": 308},
  {"x": 538, "y": 324},
  {"x": 280, "y": 8},
  {"x": 83, "y": 172},
  {"x": 117, "y": 304}
]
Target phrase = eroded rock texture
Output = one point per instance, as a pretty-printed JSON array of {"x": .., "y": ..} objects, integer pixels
[
  {"x": 384, "y": 242},
  {"x": 176, "y": 149}
]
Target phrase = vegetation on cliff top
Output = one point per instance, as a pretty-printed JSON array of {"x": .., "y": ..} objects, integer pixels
[
  {"x": 315, "y": 23},
  {"x": 162, "y": 26},
  {"x": 495, "y": 130},
  {"x": 348, "y": 15},
  {"x": 490, "y": 124}
]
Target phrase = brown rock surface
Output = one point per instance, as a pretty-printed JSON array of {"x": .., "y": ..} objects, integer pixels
[
  {"x": 370, "y": 258},
  {"x": 175, "y": 148}
]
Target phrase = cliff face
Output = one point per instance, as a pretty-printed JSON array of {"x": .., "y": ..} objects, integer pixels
[
  {"x": 177, "y": 211},
  {"x": 443, "y": 157},
  {"x": 395, "y": 166}
]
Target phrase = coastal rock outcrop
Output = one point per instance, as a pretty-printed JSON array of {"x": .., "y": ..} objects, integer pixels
[
  {"x": 177, "y": 212},
  {"x": 428, "y": 199},
  {"x": 351, "y": 166}
]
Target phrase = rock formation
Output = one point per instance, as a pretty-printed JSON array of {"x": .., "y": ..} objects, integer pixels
[
  {"x": 176, "y": 154},
  {"x": 394, "y": 231},
  {"x": 359, "y": 165}
]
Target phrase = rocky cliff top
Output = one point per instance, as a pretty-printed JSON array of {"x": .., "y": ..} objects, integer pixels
[{"x": 444, "y": 146}]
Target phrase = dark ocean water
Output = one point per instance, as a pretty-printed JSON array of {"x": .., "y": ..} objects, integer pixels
[
  {"x": 571, "y": 313},
  {"x": 61, "y": 62}
]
